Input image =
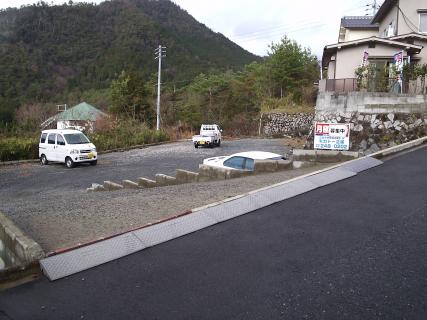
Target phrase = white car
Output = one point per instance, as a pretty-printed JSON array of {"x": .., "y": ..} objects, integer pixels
[
  {"x": 210, "y": 136},
  {"x": 242, "y": 161},
  {"x": 66, "y": 146}
]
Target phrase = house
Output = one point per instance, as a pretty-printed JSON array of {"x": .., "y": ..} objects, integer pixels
[
  {"x": 401, "y": 27},
  {"x": 81, "y": 117},
  {"x": 354, "y": 28}
]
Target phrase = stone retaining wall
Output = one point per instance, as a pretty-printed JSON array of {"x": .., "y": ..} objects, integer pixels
[
  {"x": 373, "y": 132},
  {"x": 294, "y": 125}
]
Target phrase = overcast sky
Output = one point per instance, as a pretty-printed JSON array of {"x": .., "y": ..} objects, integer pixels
[{"x": 255, "y": 24}]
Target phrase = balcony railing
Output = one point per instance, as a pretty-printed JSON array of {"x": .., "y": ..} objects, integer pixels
[
  {"x": 373, "y": 85},
  {"x": 341, "y": 85}
]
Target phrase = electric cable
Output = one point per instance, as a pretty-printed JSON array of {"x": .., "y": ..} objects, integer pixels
[{"x": 408, "y": 22}]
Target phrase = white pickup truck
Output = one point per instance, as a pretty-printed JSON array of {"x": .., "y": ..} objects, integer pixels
[{"x": 210, "y": 136}]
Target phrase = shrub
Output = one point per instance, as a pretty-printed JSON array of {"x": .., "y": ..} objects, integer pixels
[
  {"x": 123, "y": 134},
  {"x": 12, "y": 149}
]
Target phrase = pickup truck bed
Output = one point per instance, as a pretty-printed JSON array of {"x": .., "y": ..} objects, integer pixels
[{"x": 210, "y": 136}]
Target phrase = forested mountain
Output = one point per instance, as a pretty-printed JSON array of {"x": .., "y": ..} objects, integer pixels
[{"x": 48, "y": 50}]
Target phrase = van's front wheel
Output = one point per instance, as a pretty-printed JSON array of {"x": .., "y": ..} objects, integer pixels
[
  {"x": 69, "y": 162},
  {"x": 43, "y": 160}
]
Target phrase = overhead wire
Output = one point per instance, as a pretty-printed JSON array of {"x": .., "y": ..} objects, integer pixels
[
  {"x": 408, "y": 22},
  {"x": 277, "y": 30}
]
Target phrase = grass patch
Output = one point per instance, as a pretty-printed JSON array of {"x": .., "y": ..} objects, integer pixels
[
  {"x": 284, "y": 106},
  {"x": 12, "y": 148}
]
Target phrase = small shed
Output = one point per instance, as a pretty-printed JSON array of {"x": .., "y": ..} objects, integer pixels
[{"x": 81, "y": 117}]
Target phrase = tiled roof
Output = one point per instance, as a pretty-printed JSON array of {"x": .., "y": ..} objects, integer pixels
[{"x": 358, "y": 22}]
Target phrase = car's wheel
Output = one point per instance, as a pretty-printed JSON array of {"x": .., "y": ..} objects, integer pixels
[
  {"x": 196, "y": 145},
  {"x": 93, "y": 163},
  {"x": 43, "y": 160},
  {"x": 69, "y": 162},
  {"x": 219, "y": 143}
]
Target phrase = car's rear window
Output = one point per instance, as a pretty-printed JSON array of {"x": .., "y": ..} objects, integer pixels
[{"x": 43, "y": 137}]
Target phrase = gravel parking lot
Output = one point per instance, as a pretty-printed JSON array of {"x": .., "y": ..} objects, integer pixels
[{"x": 50, "y": 203}]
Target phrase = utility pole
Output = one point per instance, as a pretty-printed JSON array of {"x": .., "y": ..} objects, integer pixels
[
  {"x": 160, "y": 53},
  {"x": 374, "y": 6}
]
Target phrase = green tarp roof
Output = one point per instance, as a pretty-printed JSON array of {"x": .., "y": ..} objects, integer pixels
[{"x": 83, "y": 111}]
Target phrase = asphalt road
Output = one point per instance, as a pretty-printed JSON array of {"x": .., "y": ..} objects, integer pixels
[
  {"x": 356, "y": 249},
  {"x": 19, "y": 181}
]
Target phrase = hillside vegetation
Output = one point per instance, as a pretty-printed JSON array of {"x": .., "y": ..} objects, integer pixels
[
  {"x": 49, "y": 53},
  {"x": 103, "y": 54}
]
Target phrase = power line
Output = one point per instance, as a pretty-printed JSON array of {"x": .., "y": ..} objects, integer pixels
[
  {"x": 282, "y": 32},
  {"x": 274, "y": 31},
  {"x": 408, "y": 22},
  {"x": 269, "y": 29},
  {"x": 374, "y": 6}
]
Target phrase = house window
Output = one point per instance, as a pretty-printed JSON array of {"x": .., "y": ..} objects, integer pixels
[
  {"x": 384, "y": 33},
  {"x": 423, "y": 22},
  {"x": 391, "y": 30}
]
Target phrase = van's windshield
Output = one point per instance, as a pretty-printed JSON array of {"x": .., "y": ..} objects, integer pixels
[{"x": 76, "y": 138}]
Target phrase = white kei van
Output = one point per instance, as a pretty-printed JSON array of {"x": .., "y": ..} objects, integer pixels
[{"x": 66, "y": 146}]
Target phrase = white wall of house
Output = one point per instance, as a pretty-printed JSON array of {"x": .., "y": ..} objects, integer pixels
[
  {"x": 356, "y": 34},
  {"x": 389, "y": 19},
  {"x": 331, "y": 69},
  {"x": 349, "y": 59},
  {"x": 423, "y": 54},
  {"x": 409, "y": 8},
  {"x": 78, "y": 125}
]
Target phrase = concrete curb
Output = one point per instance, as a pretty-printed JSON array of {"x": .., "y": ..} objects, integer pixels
[
  {"x": 17, "y": 162},
  {"x": 24, "y": 250},
  {"x": 399, "y": 148}
]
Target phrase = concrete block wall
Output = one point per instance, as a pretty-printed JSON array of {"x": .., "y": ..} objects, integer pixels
[
  {"x": 184, "y": 176},
  {"x": 165, "y": 180},
  {"x": 370, "y": 103},
  {"x": 323, "y": 156},
  {"x": 19, "y": 248},
  {"x": 206, "y": 173},
  {"x": 262, "y": 166}
]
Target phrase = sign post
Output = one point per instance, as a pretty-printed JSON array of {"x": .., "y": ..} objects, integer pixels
[
  {"x": 332, "y": 136},
  {"x": 365, "y": 58},
  {"x": 398, "y": 62}
]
